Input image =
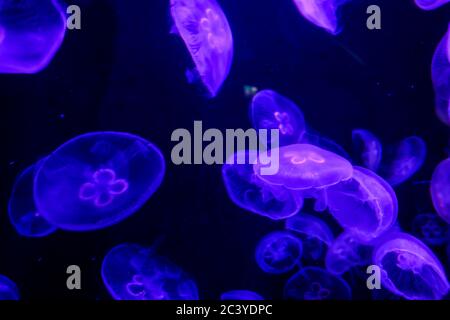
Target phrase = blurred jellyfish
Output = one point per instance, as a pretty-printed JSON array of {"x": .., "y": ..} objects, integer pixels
[
  {"x": 97, "y": 179},
  {"x": 430, "y": 4},
  {"x": 367, "y": 148},
  {"x": 270, "y": 110},
  {"x": 22, "y": 210},
  {"x": 207, "y": 35},
  {"x": 313, "y": 137},
  {"x": 440, "y": 71},
  {"x": 315, "y": 234},
  {"x": 440, "y": 190},
  {"x": 322, "y": 13},
  {"x": 429, "y": 228},
  {"x": 250, "y": 193},
  {"x": 365, "y": 205},
  {"x": 132, "y": 272},
  {"x": 279, "y": 252},
  {"x": 8, "y": 289},
  {"x": 31, "y": 32},
  {"x": 407, "y": 158},
  {"x": 409, "y": 269},
  {"x": 313, "y": 283},
  {"x": 240, "y": 295}
]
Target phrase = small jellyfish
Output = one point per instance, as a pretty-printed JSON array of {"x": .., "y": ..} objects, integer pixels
[
  {"x": 429, "y": 228},
  {"x": 31, "y": 32},
  {"x": 313, "y": 283},
  {"x": 410, "y": 269},
  {"x": 22, "y": 209},
  {"x": 279, "y": 252},
  {"x": 365, "y": 205},
  {"x": 250, "y": 193},
  {"x": 207, "y": 35},
  {"x": 440, "y": 71},
  {"x": 367, "y": 148},
  {"x": 407, "y": 158},
  {"x": 440, "y": 190},
  {"x": 132, "y": 272},
  {"x": 96, "y": 180},
  {"x": 8, "y": 289},
  {"x": 241, "y": 295},
  {"x": 270, "y": 110},
  {"x": 430, "y": 4}
]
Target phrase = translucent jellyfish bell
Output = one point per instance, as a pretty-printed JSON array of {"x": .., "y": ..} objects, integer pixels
[
  {"x": 31, "y": 32},
  {"x": 312, "y": 283},
  {"x": 132, "y": 272},
  {"x": 8, "y": 289},
  {"x": 97, "y": 179},
  {"x": 430, "y": 4},
  {"x": 365, "y": 205},
  {"x": 270, "y": 110},
  {"x": 410, "y": 269},
  {"x": 22, "y": 210},
  {"x": 241, "y": 295},
  {"x": 207, "y": 35},
  {"x": 440, "y": 71},
  {"x": 440, "y": 189},
  {"x": 431, "y": 229},
  {"x": 368, "y": 148},
  {"x": 278, "y": 252}
]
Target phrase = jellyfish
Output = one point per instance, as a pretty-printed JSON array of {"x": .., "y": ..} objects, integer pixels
[
  {"x": 205, "y": 30},
  {"x": 440, "y": 71},
  {"x": 313, "y": 137},
  {"x": 250, "y": 193},
  {"x": 97, "y": 179},
  {"x": 270, "y": 110},
  {"x": 368, "y": 148},
  {"x": 8, "y": 289},
  {"x": 322, "y": 13},
  {"x": 313, "y": 283},
  {"x": 22, "y": 210},
  {"x": 315, "y": 234},
  {"x": 407, "y": 158},
  {"x": 133, "y": 272},
  {"x": 431, "y": 229},
  {"x": 409, "y": 268},
  {"x": 31, "y": 32},
  {"x": 430, "y": 4},
  {"x": 241, "y": 295},
  {"x": 365, "y": 205},
  {"x": 279, "y": 252},
  {"x": 440, "y": 190}
]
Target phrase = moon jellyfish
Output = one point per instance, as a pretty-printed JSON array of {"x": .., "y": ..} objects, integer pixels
[
  {"x": 22, "y": 210},
  {"x": 313, "y": 137},
  {"x": 270, "y": 110},
  {"x": 8, "y": 289},
  {"x": 132, "y": 272},
  {"x": 96, "y": 180},
  {"x": 429, "y": 228},
  {"x": 440, "y": 190},
  {"x": 367, "y": 148},
  {"x": 409, "y": 269},
  {"x": 278, "y": 252},
  {"x": 440, "y": 71},
  {"x": 313, "y": 283},
  {"x": 205, "y": 30},
  {"x": 240, "y": 295},
  {"x": 31, "y": 32},
  {"x": 250, "y": 193},
  {"x": 430, "y": 4}
]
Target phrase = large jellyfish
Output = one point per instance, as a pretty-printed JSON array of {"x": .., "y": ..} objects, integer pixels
[
  {"x": 430, "y": 4},
  {"x": 132, "y": 272},
  {"x": 279, "y": 252},
  {"x": 97, "y": 179},
  {"x": 241, "y": 295},
  {"x": 251, "y": 193},
  {"x": 409, "y": 269},
  {"x": 440, "y": 189},
  {"x": 270, "y": 110},
  {"x": 207, "y": 35},
  {"x": 22, "y": 210},
  {"x": 440, "y": 71},
  {"x": 365, "y": 205},
  {"x": 8, "y": 289},
  {"x": 368, "y": 148},
  {"x": 313, "y": 283},
  {"x": 31, "y": 32},
  {"x": 431, "y": 229}
]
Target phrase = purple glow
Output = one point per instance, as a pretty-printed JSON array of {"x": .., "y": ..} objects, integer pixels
[
  {"x": 440, "y": 71},
  {"x": 207, "y": 35},
  {"x": 368, "y": 148},
  {"x": 241, "y": 295},
  {"x": 97, "y": 180},
  {"x": 430, "y": 4},
  {"x": 8, "y": 289},
  {"x": 440, "y": 189},
  {"x": 31, "y": 33}
]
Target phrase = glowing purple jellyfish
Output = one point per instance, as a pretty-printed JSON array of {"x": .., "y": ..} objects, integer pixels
[
  {"x": 22, "y": 209},
  {"x": 440, "y": 189},
  {"x": 97, "y": 179},
  {"x": 431, "y": 229},
  {"x": 313, "y": 137},
  {"x": 241, "y": 295},
  {"x": 409, "y": 269},
  {"x": 430, "y": 4},
  {"x": 31, "y": 32},
  {"x": 278, "y": 252},
  {"x": 8, "y": 289},
  {"x": 132, "y": 272},
  {"x": 270, "y": 110},
  {"x": 440, "y": 72},
  {"x": 207, "y": 35},
  {"x": 368, "y": 148},
  {"x": 313, "y": 283}
]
